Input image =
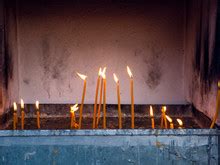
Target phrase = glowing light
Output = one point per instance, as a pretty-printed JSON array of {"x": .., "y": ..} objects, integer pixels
[
  {"x": 74, "y": 108},
  {"x": 37, "y": 104},
  {"x": 22, "y": 103},
  {"x": 115, "y": 78},
  {"x": 100, "y": 71},
  {"x": 82, "y": 76},
  {"x": 151, "y": 112},
  {"x": 104, "y": 70},
  {"x": 15, "y": 106},
  {"x": 164, "y": 108},
  {"x": 180, "y": 122},
  {"x": 129, "y": 72},
  {"x": 169, "y": 119}
]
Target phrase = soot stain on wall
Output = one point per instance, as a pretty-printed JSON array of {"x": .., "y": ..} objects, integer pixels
[
  {"x": 10, "y": 28},
  {"x": 154, "y": 70},
  {"x": 46, "y": 63},
  {"x": 53, "y": 65},
  {"x": 206, "y": 61},
  {"x": 26, "y": 81},
  {"x": 207, "y": 72},
  {"x": 215, "y": 60}
]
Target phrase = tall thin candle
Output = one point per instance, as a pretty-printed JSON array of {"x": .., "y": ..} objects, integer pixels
[
  {"x": 119, "y": 101},
  {"x": 83, "y": 97},
  {"x": 104, "y": 100},
  {"x": 96, "y": 98},
  {"x": 100, "y": 98},
  {"x": 132, "y": 96}
]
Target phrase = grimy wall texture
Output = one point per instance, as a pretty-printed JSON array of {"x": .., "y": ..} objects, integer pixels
[
  {"x": 168, "y": 45},
  {"x": 56, "y": 39}
]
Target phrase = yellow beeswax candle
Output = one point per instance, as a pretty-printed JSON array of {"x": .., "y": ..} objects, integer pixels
[
  {"x": 152, "y": 117},
  {"x": 132, "y": 96},
  {"x": 96, "y": 98},
  {"x": 119, "y": 101},
  {"x": 83, "y": 77}
]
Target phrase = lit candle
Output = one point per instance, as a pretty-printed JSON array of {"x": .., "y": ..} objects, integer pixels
[
  {"x": 132, "y": 96},
  {"x": 100, "y": 98},
  {"x": 96, "y": 98},
  {"x": 163, "y": 117},
  {"x": 38, "y": 114},
  {"x": 104, "y": 101},
  {"x": 83, "y": 77},
  {"x": 72, "y": 113},
  {"x": 15, "y": 119},
  {"x": 217, "y": 106},
  {"x": 22, "y": 114},
  {"x": 119, "y": 101},
  {"x": 171, "y": 122},
  {"x": 152, "y": 117},
  {"x": 180, "y": 123}
]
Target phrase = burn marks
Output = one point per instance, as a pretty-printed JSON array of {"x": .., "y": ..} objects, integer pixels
[
  {"x": 206, "y": 58},
  {"x": 46, "y": 64},
  {"x": 154, "y": 70},
  {"x": 54, "y": 62}
]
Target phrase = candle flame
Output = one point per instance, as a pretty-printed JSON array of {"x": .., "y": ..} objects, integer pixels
[
  {"x": 22, "y": 103},
  {"x": 103, "y": 76},
  {"x": 129, "y": 72},
  {"x": 180, "y": 122},
  {"x": 151, "y": 112},
  {"x": 100, "y": 71},
  {"x": 164, "y": 108},
  {"x": 103, "y": 73},
  {"x": 74, "y": 108},
  {"x": 219, "y": 84},
  {"x": 169, "y": 119},
  {"x": 81, "y": 76},
  {"x": 37, "y": 104},
  {"x": 15, "y": 106},
  {"x": 104, "y": 70},
  {"x": 115, "y": 78}
]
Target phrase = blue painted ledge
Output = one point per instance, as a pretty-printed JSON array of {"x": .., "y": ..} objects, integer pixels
[{"x": 95, "y": 147}]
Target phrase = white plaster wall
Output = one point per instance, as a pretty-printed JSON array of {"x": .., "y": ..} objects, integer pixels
[{"x": 55, "y": 40}]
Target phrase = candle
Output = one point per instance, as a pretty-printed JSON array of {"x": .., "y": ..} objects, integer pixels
[
  {"x": 171, "y": 122},
  {"x": 132, "y": 96},
  {"x": 180, "y": 123},
  {"x": 100, "y": 103},
  {"x": 217, "y": 106},
  {"x": 163, "y": 117},
  {"x": 22, "y": 114},
  {"x": 100, "y": 98},
  {"x": 72, "y": 114},
  {"x": 119, "y": 101},
  {"x": 38, "y": 114},
  {"x": 152, "y": 117},
  {"x": 104, "y": 101},
  {"x": 15, "y": 119},
  {"x": 96, "y": 98},
  {"x": 83, "y": 77}
]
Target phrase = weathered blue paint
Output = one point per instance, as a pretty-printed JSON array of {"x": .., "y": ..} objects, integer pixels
[{"x": 186, "y": 146}]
